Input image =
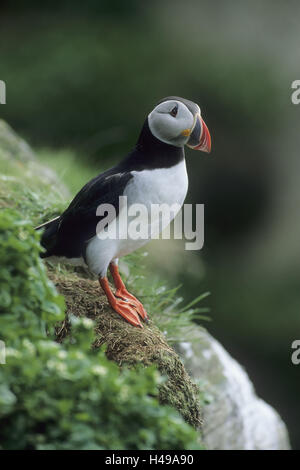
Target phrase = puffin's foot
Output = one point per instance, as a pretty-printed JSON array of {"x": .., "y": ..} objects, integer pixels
[
  {"x": 123, "y": 293},
  {"x": 122, "y": 308},
  {"x": 126, "y": 311}
]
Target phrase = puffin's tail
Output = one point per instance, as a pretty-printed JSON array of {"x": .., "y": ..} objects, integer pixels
[{"x": 48, "y": 240}]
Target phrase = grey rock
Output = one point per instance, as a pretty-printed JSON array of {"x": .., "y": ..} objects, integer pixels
[{"x": 234, "y": 418}]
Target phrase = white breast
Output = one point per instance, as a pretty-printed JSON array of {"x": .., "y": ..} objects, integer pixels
[
  {"x": 166, "y": 186},
  {"x": 160, "y": 186}
]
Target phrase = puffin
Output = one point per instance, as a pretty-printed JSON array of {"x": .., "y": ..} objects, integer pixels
[{"x": 154, "y": 172}]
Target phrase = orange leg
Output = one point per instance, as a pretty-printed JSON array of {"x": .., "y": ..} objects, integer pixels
[
  {"x": 123, "y": 293},
  {"x": 119, "y": 306}
]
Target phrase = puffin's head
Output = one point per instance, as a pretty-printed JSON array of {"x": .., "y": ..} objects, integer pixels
[{"x": 178, "y": 122}]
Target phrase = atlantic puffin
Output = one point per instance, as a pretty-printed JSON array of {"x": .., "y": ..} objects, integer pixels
[{"x": 154, "y": 172}]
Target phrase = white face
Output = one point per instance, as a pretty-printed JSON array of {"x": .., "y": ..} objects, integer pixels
[{"x": 171, "y": 121}]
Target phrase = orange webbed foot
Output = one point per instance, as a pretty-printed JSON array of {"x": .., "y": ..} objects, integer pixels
[
  {"x": 132, "y": 300},
  {"x": 123, "y": 293},
  {"x": 121, "y": 307},
  {"x": 127, "y": 311}
]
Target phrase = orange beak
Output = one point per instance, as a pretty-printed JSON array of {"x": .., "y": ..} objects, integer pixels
[{"x": 200, "y": 137}]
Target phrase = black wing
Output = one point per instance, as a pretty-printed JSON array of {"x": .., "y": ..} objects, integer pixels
[{"x": 68, "y": 234}]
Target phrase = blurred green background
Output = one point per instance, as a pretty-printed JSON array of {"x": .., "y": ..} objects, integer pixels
[{"x": 83, "y": 76}]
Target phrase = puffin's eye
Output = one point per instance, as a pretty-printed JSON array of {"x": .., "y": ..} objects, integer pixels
[{"x": 174, "y": 111}]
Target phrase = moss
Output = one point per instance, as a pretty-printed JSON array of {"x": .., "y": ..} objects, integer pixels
[{"x": 126, "y": 344}]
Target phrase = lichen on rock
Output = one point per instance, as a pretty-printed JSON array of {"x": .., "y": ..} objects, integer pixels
[{"x": 234, "y": 418}]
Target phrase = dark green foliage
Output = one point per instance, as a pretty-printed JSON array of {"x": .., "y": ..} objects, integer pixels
[
  {"x": 67, "y": 396},
  {"x": 88, "y": 80},
  {"x": 28, "y": 299}
]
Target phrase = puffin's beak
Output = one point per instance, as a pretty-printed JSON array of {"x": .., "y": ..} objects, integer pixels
[{"x": 200, "y": 137}]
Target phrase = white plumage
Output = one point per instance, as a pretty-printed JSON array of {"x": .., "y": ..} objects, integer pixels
[{"x": 148, "y": 187}]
